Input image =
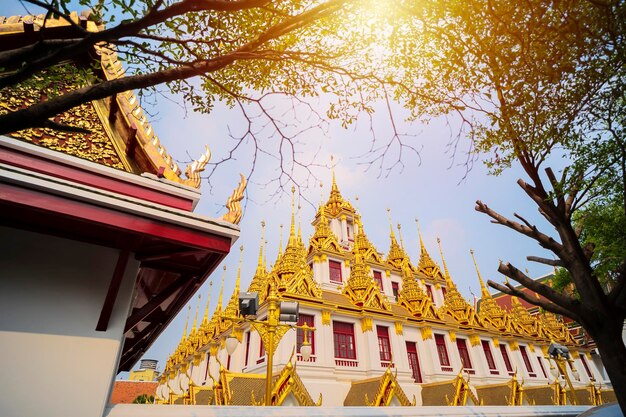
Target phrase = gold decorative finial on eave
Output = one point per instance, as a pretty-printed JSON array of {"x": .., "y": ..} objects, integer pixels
[
  {"x": 280, "y": 242},
  {"x": 233, "y": 204},
  {"x": 449, "y": 282},
  {"x": 194, "y": 169},
  {"x": 238, "y": 281},
  {"x": 483, "y": 289},
  {"x": 332, "y": 167}
]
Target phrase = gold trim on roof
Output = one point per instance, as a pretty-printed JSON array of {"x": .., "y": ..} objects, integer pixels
[{"x": 233, "y": 203}]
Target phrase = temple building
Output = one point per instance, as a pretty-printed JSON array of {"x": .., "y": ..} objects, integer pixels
[
  {"x": 387, "y": 331},
  {"x": 100, "y": 245}
]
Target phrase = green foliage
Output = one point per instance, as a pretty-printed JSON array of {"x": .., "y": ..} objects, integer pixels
[{"x": 144, "y": 399}]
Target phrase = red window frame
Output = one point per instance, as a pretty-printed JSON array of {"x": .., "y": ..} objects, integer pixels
[
  {"x": 343, "y": 340},
  {"x": 261, "y": 348},
  {"x": 429, "y": 290},
  {"x": 206, "y": 371},
  {"x": 334, "y": 269},
  {"x": 526, "y": 359},
  {"x": 309, "y": 319},
  {"x": 444, "y": 291},
  {"x": 466, "y": 361},
  {"x": 395, "y": 288},
  {"x": 543, "y": 370},
  {"x": 507, "y": 360},
  {"x": 442, "y": 350},
  {"x": 491, "y": 363},
  {"x": 584, "y": 361},
  {"x": 378, "y": 279},
  {"x": 384, "y": 344},
  {"x": 247, "y": 349},
  {"x": 414, "y": 362}
]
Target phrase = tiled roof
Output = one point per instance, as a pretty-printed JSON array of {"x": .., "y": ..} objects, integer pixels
[{"x": 124, "y": 392}]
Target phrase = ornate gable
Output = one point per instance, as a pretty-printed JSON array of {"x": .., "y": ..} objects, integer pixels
[{"x": 413, "y": 298}]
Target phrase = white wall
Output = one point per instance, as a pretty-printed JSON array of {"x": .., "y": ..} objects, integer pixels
[{"x": 52, "y": 290}]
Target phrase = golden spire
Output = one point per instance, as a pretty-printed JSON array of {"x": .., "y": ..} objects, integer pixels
[
  {"x": 336, "y": 202},
  {"x": 265, "y": 255},
  {"x": 205, "y": 319},
  {"x": 292, "y": 228},
  {"x": 195, "y": 319},
  {"x": 219, "y": 299},
  {"x": 186, "y": 322},
  {"x": 232, "y": 308},
  {"x": 280, "y": 244},
  {"x": 483, "y": 289},
  {"x": 449, "y": 282},
  {"x": 260, "y": 262},
  {"x": 426, "y": 264},
  {"x": 396, "y": 256},
  {"x": 400, "y": 236}
]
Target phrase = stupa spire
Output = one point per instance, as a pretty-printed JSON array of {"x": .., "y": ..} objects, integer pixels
[
  {"x": 221, "y": 296},
  {"x": 400, "y": 236},
  {"x": 260, "y": 267},
  {"x": 483, "y": 289},
  {"x": 205, "y": 319},
  {"x": 292, "y": 228},
  {"x": 195, "y": 319},
  {"x": 186, "y": 323},
  {"x": 449, "y": 281}
]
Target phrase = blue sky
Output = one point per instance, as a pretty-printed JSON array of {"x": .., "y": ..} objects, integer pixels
[{"x": 433, "y": 188}]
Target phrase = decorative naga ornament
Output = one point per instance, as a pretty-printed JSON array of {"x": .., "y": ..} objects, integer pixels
[
  {"x": 233, "y": 203},
  {"x": 196, "y": 167}
]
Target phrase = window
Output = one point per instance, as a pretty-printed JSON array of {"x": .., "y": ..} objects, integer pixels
[
  {"x": 343, "y": 334},
  {"x": 429, "y": 290},
  {"x": 543, "y": 370},
  {"x": 334, "y": 268},
  {"x": 442, "y": 351},
  {"x": 384, "y": 347},
  {"x": 584, "y": 361},
  {"x": 414, "y": 364},
  {"x": 395, "y": 289},
  {"x": 463, "y": 353},
  {"x": 507, "y": 361},
  {"x": 491, "y": 364},
  {"x": 206, "y": 371},
  {"x": 228, "y": 363},
  {"x": 262, "y": 348},
  {"x": 310, "y": 321},
  {"x": 349, "y": 232},
  {"x": 529, "y": 366},
  {"x": 245, "y": 363},
  {"x": 444, "y": 291},
  {"x": 378, "y": 279}
]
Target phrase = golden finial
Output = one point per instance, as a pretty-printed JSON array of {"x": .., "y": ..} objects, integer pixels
[
  {"x": 391, "y": 234},
  {"x": 265, "y": 256},
  {"x": 400, "y": 236},
  {"x": 449, "y": 282},
  {"x": 219, "y": 300},
  {"x": 299, "y": 223},
  {"x": 260, "y": 263},
  {"x": 205, "y": 319},
  {"x": 194, "y": 169},
  {"x": 321, "y": 194},
  {"x": 332, "y": 167},
  {"x": 187, "y": 322},
  {"x": 419, "y": 233},
  {"x": 195, "y": 319},
  {"x": 292, "y": 229},
  {"x": 238, "y": 281},
  {"x": 280, "y": 245},
  {"x": 233, "y": 203},
  {"x": 483, "y": 288}
]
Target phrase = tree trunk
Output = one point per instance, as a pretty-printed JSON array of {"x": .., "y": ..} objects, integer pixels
[{"x": 612, "y": 350}]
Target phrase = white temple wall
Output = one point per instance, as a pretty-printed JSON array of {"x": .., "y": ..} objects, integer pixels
[{"x": 51, "y": 293}]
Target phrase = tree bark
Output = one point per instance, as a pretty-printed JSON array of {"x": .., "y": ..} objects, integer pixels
[{"x": 608, "y": 338}]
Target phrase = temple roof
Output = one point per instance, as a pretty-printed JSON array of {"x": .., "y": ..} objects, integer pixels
[{"x": 118, "y": 132}]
